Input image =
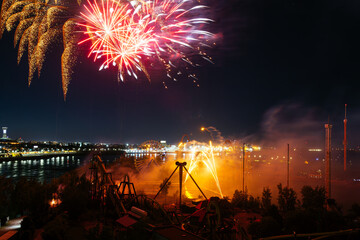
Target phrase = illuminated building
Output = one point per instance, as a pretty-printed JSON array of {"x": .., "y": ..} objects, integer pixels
[{"x": 4, "y": 133}]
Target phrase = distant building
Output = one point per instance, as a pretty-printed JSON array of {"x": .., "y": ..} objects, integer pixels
[
  {"x": 5, "y": 140},
  {"x": 4, "y": 133},
  {"x": 163, "y": 143}
]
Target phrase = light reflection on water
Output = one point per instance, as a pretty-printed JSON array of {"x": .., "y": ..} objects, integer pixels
[{"x": 44, "y": 169}]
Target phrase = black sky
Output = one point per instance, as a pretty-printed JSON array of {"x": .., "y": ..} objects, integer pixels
[{"x": 269, "y": 54}]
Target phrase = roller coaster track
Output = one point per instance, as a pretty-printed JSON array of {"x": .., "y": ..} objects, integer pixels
[{"x": 103, "y": 185}]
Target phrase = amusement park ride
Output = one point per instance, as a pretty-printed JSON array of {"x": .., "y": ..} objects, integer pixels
[
  {"x": 180, "y": 166},
  {"x": 141, "y": 217}
]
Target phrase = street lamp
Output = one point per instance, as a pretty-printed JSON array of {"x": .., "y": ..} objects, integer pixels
[
  {"x": 206, "y": 129},
  {"x": 243, "y": 168}
]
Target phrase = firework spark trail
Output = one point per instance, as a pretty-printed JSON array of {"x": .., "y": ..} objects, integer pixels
[
  {"x": 208, "y": 159},
  {"x": 38, "y": 26}
]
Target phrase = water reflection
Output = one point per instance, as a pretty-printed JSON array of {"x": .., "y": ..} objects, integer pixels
[{"x": 43, "y": 169}]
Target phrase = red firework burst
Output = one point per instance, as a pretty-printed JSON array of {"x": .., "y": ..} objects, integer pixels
[
  {"x": 118, "y": 35},
  {"x": 123, "y": 34}
]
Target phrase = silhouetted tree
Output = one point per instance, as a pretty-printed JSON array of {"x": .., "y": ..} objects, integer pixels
[
  {"x": 75, "y": 196},
  {"x": 313, "y": 199},
  {"x": 239, "y": 199},
  {"x": 269, "y": 209},
  {"x": 266, "y": 198},
  {"x": 245, "y": 201},
  {"x": 273, "y": 212},
  {"x": 287, "y": 198},
  {"x": 31, "y": 198}
]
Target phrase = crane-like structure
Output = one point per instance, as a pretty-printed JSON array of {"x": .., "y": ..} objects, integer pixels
[{"x": 328, "y": 160}]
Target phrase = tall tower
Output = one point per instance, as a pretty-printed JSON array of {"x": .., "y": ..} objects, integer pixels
[
  {"x": 328, "y": 160},
  {"x": 288, "y": 167},
  {"x": 4, "y": 133},
  {"x": 345, "y": 141}
]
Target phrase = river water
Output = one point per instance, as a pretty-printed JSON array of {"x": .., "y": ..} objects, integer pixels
[{"x": 45, "y": 169}]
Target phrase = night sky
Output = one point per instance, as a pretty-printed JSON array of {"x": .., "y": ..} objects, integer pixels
[{"x": 278, "y": 66}]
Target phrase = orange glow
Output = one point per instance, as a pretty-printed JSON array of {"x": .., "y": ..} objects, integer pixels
[
  {"x": 53, "y": 203},
  {"x": 206, "y": 157}
]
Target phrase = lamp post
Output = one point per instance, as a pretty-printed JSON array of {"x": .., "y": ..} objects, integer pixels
[
  {"x": 244, "y": 145},
  {"x": 288, "y": 167},
  {"x": 206, "y": 129}
]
